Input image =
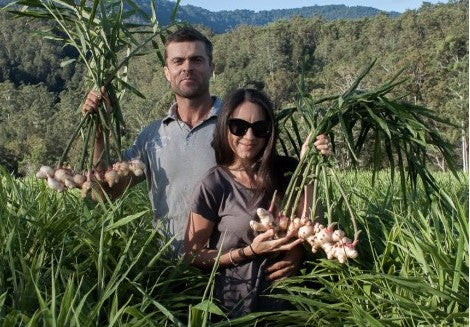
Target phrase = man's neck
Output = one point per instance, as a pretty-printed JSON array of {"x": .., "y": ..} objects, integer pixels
[{"x": 192, "y": 111}]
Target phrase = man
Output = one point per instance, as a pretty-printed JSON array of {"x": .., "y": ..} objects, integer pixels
[{"x": 176, "y": 149}]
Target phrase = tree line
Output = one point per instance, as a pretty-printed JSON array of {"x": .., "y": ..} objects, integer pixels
[{"x": 40, "y": 100}]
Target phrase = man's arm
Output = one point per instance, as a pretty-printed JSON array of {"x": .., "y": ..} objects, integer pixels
[
  {"x": 92, "y": 102},
  {"x": 288, "y": 265}
]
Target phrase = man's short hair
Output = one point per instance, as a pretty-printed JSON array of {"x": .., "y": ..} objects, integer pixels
[{"x": 189, "y": 34}]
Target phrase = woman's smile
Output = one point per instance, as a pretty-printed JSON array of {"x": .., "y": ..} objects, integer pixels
[{"x": 247, "y": 146}]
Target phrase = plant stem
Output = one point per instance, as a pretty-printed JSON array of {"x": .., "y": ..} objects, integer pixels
[
  {"x": 85, "y": 143},
  {"x": 93, "y": 143},
  {"x": 346, "y": 201},
  {"x": 327, "y": 194},
  {"x": 72, "y": 138}
]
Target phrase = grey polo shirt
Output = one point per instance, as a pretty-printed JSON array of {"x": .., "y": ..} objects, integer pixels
[{"x": 176, "y": 158}]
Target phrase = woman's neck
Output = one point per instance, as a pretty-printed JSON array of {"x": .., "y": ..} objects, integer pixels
[{"x": 245, "y": 173}]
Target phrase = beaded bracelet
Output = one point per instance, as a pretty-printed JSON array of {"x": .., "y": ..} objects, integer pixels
[{"x": 230, "y": 257}]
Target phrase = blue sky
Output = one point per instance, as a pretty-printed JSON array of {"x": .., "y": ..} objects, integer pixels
[{"x": 256, "y": 5}]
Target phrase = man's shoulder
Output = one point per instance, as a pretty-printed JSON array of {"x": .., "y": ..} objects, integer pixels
[{"x": 152, "y": 128}]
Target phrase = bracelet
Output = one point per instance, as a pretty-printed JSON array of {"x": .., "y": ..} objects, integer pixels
[
  {"x": 231, "y": 259},
  {"x": 242, "y": 254},
  {"x": 251, "y": 248}
]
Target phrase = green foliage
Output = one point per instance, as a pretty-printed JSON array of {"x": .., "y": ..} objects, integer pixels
[
  {"x": 69, "y": 262},
  {"x": 25, "y": 119},
  {"x": 431, "y": 44},
  {"x": 22, "y": 63},
  {"x": 104, "y": 39},
  {"x": 223, "y": 21},
  {"x": 402, "y": 134},
  {"x": 412, "y": 267}
]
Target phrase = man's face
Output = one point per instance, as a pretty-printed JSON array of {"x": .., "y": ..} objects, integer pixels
[{"x": 188, "y": 69}]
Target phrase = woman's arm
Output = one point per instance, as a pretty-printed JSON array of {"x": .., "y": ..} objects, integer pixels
[{"x": 197, "y": 236}]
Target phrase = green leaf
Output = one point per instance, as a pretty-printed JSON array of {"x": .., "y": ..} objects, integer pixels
[
  {"x": 209, "y": 306},
  {"x": 379, "y": 121},
  {"x": 174, "y": 11},
  {"x": 130, "y": 88},
  {"x": 125, "y": 221}
]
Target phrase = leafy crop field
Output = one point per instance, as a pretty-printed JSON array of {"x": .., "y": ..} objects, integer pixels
[{"x": 65, "y": 261}]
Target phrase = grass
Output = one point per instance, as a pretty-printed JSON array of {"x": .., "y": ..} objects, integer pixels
[
  {"x": 412, "y": 269},
  {"x": 65, "y": 261},
  {"x": 68, "y": 262}
]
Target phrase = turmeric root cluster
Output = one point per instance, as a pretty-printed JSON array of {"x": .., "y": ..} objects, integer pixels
[
  {"x": 333, "y": 242},
  {"x": 64, "y": 178}
]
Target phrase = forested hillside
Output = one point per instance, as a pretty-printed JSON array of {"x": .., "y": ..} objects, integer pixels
[
  {"x": 223, "y": 21},
  {"x": 40, "y": 99}
]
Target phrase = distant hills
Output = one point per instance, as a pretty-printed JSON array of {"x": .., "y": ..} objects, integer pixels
[{"x": 223, "y": 21}]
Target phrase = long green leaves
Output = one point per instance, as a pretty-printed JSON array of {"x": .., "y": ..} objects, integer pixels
[
  {"x": 403, "y": 131},
  {"x": 91, "y": 264},
  {"x": 67, "y": 262},
  {"x": 105, "y": 39},
  {"x": 412, "y": 268}
]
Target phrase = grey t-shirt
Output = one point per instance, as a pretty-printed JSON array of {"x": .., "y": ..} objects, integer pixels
[
  {"x": 176, "y": 157},
  {"x": 224, "y": 201}
]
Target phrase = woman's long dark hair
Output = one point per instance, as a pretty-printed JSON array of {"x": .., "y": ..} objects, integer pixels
[{"x": 224, "y": 155}]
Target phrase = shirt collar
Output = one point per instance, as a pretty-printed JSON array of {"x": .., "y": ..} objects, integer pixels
[{"x": 216, "y": 106}]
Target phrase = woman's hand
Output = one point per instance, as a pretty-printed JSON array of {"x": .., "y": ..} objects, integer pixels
[
  {"x": 264, "y": 244},
  {"x": 322, "y": 144}
]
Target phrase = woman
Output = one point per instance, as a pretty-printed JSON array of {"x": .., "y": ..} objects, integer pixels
[{"x": 247, "y": 173}]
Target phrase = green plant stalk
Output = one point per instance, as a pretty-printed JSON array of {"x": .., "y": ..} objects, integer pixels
[
  {"x": 327, "y": 195},
  {"x": 72, "y": 139},
  {"x": 66, "y": 31},
  {"x": 301, "y": 186},
  {"x": 106, "y": 153},
  {"x": 103, "y": 118},
  {"x": 93, "y": 143},
  {"x": 292, "y": 182},
  {"x": 315, "y": 199},
  {"x": 303, "y": 168},
  {"x": 105, "y": 125},
  {"x": 85, "y": 144},
  {"x": 346, "y": 201},
  {"x": 290, "y": 192}
]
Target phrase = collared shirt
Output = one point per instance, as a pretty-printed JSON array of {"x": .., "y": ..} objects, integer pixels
[{"x": 176, "y": 158}]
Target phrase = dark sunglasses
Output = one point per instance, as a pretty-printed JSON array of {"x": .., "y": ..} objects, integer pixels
[{"x": 239, "y": 127}]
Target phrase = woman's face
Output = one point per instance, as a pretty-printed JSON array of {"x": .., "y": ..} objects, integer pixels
[{"x": 246, "y": 147}]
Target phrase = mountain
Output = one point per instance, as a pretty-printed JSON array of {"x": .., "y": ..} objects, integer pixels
[{"x": 223, "y": 21}]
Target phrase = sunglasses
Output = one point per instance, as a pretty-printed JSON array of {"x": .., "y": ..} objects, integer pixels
[{"x": 239, "y": 127}]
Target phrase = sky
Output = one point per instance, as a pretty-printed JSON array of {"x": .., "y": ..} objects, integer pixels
[{"x": 257, "y": 5}]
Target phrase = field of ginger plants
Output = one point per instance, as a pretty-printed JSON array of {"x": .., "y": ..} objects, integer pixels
[{"x": 65, "y": 261}]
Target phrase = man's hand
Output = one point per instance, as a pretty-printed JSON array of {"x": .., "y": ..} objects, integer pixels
[
  {"x": 288, "y": 264},
  {"x": 94, "y": 99}
]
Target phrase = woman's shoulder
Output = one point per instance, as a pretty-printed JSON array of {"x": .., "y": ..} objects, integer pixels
[{"x": 214, "y": 177}]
